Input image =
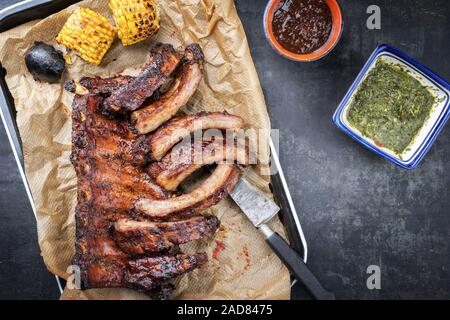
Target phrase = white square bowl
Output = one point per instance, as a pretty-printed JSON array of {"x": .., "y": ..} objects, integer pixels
[{"x": 439, "y": 115}]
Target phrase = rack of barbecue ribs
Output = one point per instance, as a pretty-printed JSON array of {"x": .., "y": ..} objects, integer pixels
[{"x": 130, "y": 215}]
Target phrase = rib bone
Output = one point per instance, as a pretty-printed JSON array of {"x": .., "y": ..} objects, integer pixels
[
  {"x": 163, "y": 61},
  {"x": 151, "y": 117},
  {"x": 178, "y": 128},
  {"x": 183, "y": 160},
  {"x": 209, "y": 193},
  {"x": 140, "y": 237}
]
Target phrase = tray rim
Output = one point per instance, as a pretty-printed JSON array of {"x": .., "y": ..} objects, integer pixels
[{"x": 14, "y": 136}]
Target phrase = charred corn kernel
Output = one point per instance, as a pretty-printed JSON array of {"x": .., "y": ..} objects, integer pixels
[
  {"x": 88, "y": 33},
  {"x": 136, "y": 20},
  {"x": 67, "y": 58}
]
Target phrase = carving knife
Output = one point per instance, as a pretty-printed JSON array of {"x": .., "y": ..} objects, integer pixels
[{"x": 260, "y": 209}]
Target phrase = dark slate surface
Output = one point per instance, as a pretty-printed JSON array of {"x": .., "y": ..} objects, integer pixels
[
  {"x": 356, "y": 208},
  {"x": 22, "y": 271}
]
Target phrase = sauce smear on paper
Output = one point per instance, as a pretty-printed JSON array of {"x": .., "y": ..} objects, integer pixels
[{"x": 219, "y": 247}]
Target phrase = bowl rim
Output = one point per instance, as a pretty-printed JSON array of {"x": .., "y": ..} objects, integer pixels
[
  {"x": 432, "y": 134},
  {"x": 325, "y": 49}
]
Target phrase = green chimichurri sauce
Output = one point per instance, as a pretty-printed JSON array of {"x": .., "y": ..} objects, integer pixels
[{"x": 390, "y": 106}]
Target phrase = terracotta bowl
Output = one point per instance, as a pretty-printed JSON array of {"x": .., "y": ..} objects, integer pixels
[{"x": 333, "y": 39}]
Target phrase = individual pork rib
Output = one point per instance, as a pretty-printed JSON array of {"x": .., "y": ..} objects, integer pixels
[
  {"x": 155, "y": 146},
  {"x": 97, "y": 85},
  {"x": 147, "y": 273},
  {"x": 151, "y": 117},
  {"x": 141, "y": 237},
  {"x": 209, "y": 193},
  {"x": 163, "y": 61},
  {"x": 186, "y": 158}
]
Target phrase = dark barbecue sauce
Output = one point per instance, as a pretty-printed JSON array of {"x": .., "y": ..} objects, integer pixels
[{"x": 302, "y": 26}]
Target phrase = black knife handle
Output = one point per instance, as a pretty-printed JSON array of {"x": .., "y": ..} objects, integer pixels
[
  {"x": 286, "y": 213},
  {"x": 297, "y": 266}
]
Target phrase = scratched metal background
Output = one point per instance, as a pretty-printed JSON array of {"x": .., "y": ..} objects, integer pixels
[{"x": 356, "y": 208}]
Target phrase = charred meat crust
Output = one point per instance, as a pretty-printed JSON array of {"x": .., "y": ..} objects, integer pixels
[
  {"x": 147, "y": 273},
  {"x": 160, "y": 291},
  {"x": 104, "y": 86},
  {"x": 193, "y": 54},
  {"x": 184, "y": 86},
  {"x": 143, "y": 237},
  {"x": 207, "y": 194},
  {"x": 141, "y": 151},
  {"x": 163, "y": 61},
  {"x": 96, "y": 85}
]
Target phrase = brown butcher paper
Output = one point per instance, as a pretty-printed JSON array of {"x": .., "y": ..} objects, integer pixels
[{"x": 241, "y": 265}]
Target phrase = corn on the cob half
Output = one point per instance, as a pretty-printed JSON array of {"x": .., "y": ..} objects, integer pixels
[
  {"x": 88, "y": 33},
  {"x": 136, "y": 20}
]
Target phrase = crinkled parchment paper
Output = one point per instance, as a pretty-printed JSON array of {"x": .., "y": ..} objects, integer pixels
[{"x": 245, "y": 268}]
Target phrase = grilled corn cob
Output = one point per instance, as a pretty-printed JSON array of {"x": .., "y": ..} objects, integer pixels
[
  {"x": 88, "y": 33},
  {"x": 136, "y": 20}
]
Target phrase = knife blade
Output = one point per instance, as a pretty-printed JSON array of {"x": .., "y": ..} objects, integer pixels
[{"x": 260, "y": 209}]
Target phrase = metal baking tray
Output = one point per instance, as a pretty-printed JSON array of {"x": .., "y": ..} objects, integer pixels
[{"x": 28, "y": 10}]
